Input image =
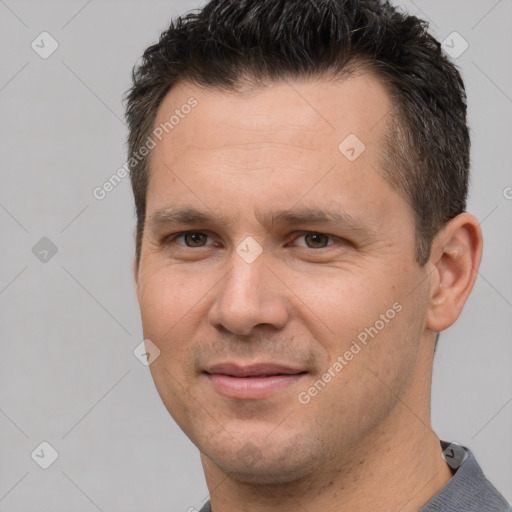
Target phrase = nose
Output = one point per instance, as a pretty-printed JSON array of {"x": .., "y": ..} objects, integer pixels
[{"x": 250, "y": 295}]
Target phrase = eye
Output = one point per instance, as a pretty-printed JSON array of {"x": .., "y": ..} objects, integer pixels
[
  {"x": 313, "y": 240},
  {"x": 190, "y": 239}
]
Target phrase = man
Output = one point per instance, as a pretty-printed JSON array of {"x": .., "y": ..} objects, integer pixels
[{"x": 300, "y": 172}]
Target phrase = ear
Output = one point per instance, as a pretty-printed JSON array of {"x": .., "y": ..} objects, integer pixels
[{"x": 455, "y": 256}]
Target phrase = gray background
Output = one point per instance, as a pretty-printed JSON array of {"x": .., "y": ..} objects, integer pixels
[{"x": 70, "y": 324}]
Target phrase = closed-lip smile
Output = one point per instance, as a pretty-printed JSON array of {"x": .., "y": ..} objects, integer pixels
[{"x": 254, "y": 381}]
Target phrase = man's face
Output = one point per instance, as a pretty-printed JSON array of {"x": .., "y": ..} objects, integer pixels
[{"x": 252, "y": 297}]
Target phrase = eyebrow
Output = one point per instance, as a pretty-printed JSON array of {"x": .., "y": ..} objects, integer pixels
[
  {"x": 168, "y": 217},
  {"x": 315, "y": 216}
]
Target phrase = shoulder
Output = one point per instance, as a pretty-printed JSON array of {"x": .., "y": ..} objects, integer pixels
[
  {"x": 206, "y": 507},
  {"x": 468, "y": 490}
]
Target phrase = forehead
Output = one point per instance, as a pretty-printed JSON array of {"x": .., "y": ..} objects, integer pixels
[
  {"x": 314, "y": 112},
  {"x": 266, "y": 149}
]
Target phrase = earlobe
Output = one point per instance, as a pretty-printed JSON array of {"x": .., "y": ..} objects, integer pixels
[{"x": 456, "y": 255}]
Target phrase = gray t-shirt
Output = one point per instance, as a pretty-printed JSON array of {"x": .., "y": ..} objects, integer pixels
[{"x": 467, "y": 491}]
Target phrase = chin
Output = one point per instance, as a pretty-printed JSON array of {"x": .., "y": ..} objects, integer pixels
[
  {"x": 266, "y": 475},
  {"x": 254, "y": 466}
]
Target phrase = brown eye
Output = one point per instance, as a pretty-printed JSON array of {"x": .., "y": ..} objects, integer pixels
[
  {"x": 316, "y": 240},
  {"x": 194, "y": 239}
]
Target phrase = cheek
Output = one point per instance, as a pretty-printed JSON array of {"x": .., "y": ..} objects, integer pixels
[
  {"x": 166, "y": 298},
  {"x": 169, "y": 307},
  {"x": 173, "y": 305},
  {"x": 369, "y": 320},
  {"x": 342, "y": 304},
  {"x": 388, "y": 329}
]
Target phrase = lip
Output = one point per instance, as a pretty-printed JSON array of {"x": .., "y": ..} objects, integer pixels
[{"x": 252, "y": 381}]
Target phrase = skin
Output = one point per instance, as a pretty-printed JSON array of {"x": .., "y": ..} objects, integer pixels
[{"x": 365, "y": 441}]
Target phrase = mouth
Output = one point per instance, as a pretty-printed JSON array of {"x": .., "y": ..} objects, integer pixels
[{"x": 253, "y": 381}]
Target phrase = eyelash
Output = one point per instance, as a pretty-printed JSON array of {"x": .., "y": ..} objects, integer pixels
[{"x": 336, "y": 240}]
